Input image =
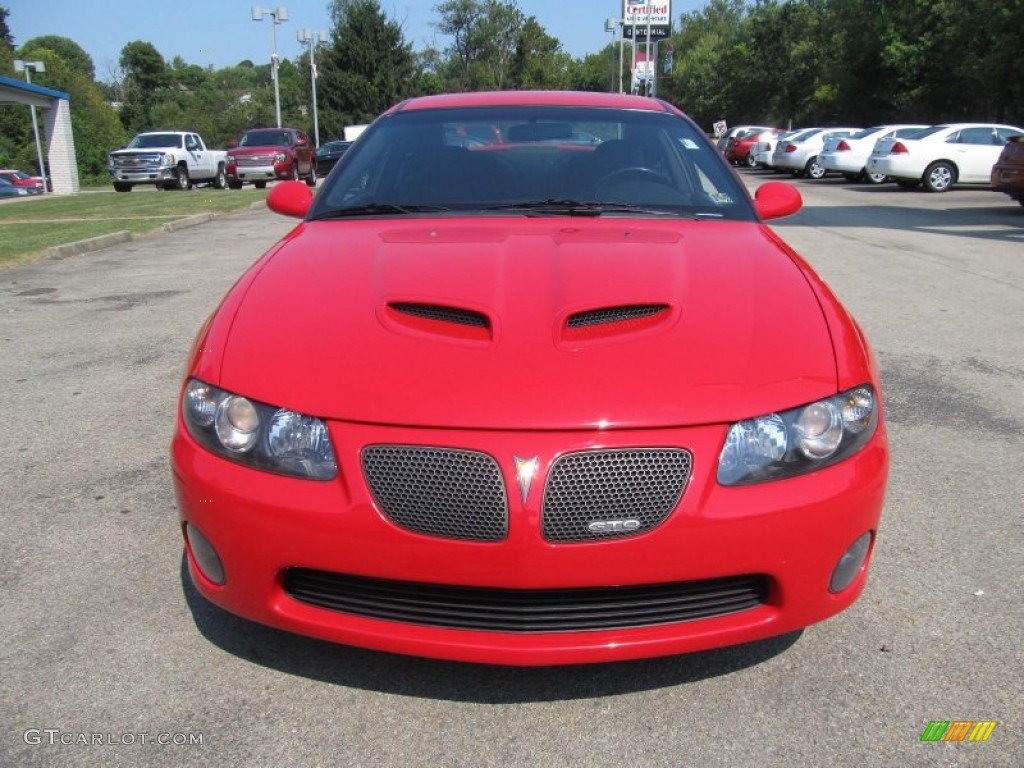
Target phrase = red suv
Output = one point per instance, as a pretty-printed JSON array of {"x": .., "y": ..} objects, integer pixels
[{"x": 267, "y": 154}]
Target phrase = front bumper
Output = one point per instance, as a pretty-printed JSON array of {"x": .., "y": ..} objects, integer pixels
[
  {"x": 792, "y": 533},
  {"x": 143, "y": 175},
  {"x": 260, "y": 172}
]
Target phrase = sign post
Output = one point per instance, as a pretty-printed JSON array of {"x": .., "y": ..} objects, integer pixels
[{"x": 650, "y": 21}]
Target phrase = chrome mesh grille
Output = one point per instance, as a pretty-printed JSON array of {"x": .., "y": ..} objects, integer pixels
[
  {"x": 260, "y": 159},
  {"x": 600, "y": 494},
  {"x": 441, "y": 492},
  {"x": 135, "y": 161}
]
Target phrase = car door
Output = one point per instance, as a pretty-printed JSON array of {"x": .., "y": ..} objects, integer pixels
[
  {"x": 976, "y": 150},
  {"x": 198, "y": 162}
]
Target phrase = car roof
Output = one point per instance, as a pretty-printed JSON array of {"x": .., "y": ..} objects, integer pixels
[
  {"x": 534, "y": 98},
  {"x": 946, "y": 126}
]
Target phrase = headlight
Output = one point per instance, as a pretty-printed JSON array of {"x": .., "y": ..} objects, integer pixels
[
  {"x": 256, "y": 434},
  {"x": 280, "y": 157},
  {"x": 800, "y": 440}
]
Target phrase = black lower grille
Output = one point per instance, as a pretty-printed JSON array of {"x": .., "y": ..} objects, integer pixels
[
  {"x": 438, "y": 491},
  {"x": 530, "y": 610}
]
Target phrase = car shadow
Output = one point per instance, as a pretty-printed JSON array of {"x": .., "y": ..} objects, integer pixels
[
  {"x": 886, "y": 206},
  {"x": 454, "y": 681},
  {"x": 988, "y": 223}
]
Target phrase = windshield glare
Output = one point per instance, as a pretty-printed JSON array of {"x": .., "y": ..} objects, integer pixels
[
  {"x": 155, "y": 140},
  {"x": 490, "y": 159},
  {"x": 265, "y": 139}
]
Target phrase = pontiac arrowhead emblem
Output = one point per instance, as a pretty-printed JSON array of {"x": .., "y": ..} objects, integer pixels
[{"x": 526, "y": 469}]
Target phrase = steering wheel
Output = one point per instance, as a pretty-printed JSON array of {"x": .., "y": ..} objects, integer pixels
[{"x": 634, "y": 173}]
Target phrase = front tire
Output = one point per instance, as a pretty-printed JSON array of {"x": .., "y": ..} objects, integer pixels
[
  {"x": 260, "y": 184},
  {"x": 181, "y": 179},
  {"x": 122, "y": 187},
  {"x": 311, "y": 178},
  {"x": 750, "y": 162},
  {"x": 220, "y": 181},
  {"x": 234, "y": 184},
  {"x": 939, "y": 177}
]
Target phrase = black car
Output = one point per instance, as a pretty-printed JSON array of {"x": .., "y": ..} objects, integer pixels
[{"x": 328, "y": 154}]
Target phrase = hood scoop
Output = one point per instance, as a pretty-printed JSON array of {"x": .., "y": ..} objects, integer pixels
[
  {"x": 609, "y": 322},
  {"x": 606, "y": 315},
  {"x": 439, "y": 320}
]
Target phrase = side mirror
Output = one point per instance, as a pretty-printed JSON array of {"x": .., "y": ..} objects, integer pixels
[
  {"x": 232, "y": 144},
  {"x": 290, "y": 198},
  {"x": 776, "y": 199}
]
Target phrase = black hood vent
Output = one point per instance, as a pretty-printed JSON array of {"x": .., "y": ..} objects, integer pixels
[
  {"x": 606, "y": 315},
  {"x": 443, "y": 314}
]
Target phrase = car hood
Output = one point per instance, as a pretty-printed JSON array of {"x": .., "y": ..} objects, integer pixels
[{"x": 528, "y": 324}]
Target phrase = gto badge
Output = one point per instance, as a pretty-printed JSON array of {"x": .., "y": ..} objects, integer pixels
[
  {"x": 526, "y": 470},
  {"x": 613, "y": 526}
]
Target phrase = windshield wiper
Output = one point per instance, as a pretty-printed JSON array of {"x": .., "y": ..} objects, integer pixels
[
  {"x": 377, "y": 209},
  {"x": 551, "y": 206},
  {"x": 557, "y": 207}
]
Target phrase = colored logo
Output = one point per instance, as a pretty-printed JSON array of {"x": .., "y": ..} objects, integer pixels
[{"x": 958, "y": 730}]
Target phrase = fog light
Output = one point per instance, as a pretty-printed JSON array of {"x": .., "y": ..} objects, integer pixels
[
  {"x": 850, "y": 563},
  {"x": 205, "y": 555}
]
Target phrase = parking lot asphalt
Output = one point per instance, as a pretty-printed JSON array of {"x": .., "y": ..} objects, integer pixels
[{"x": 108, "y": 651}]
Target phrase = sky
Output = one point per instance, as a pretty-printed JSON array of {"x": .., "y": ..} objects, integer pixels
[{"x": 221, "y": 33}]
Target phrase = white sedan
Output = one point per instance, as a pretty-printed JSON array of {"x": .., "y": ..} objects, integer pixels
[
  {"x": 799, "y": 154},
  {"x": 849, "y": 155},
  {"x": 943, "y": 155}
]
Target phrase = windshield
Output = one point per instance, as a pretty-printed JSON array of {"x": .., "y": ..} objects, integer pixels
[
  {"x": 533, "y": 161},
  {"x": 928, "y": 132},
  {"x": 155, "y": 140},
  {"x": 266, "y": 139}
]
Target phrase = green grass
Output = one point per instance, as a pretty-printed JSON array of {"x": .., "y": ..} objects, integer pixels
[{"x": 30, "y": 226}]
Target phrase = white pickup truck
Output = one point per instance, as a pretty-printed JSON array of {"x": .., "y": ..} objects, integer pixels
[{"x": 168, "y": 159}]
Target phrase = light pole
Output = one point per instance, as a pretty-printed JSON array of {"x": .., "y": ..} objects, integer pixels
[
  {"x": 312, "y": 38},
  {"x": 27, "y": 67},
  {"x": 609, "y": 26},
  {"x": 277, "y": 16}
]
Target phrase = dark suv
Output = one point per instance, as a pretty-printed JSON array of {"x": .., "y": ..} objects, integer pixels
[{"x": 268, "y": 154}]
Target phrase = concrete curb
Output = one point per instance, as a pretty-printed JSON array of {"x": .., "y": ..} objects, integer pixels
[
  {"x": 85, "y": 246},
  {"x": 188, "y": 221},
  {"x": 65, "y": 250}
]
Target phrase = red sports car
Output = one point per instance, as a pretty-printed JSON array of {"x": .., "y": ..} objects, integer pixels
[{"x": 531, "y": 401}]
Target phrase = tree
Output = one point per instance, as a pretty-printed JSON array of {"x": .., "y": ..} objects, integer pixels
[
  {"x": 145, "y": 76},
  {"x": 6, "y": 40},
  {"x": 6, "y": 43},
  {"x": 495, "y": 46},
  {"x": 539, "y": 61},
  {"x": 367, "y": 68},
  {"x": 70, "y": 52}
]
